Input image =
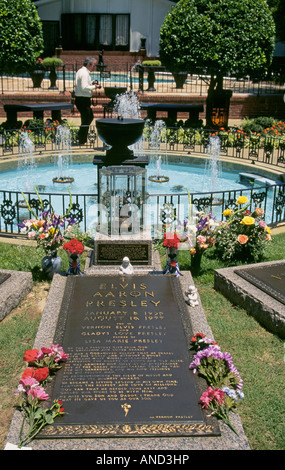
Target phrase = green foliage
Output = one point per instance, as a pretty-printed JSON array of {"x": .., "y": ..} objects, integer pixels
[
  {"x": 21, "y": 36},
  {"x": 51, "y": 62},
  {"x": 257, "y": 124},
  {"x": 152, "y": 63},
  {"x": 244, "y": 234},
  {"x": 218, "y": 37}
]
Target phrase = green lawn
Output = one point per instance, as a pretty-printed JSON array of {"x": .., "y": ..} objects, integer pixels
[{"x": 258, "y": 354}]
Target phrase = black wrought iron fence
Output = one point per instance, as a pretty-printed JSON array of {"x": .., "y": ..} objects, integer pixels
[
  {"x": 158, "y": 210},
  {"x": 137, "y": 78},
  {"x": 268, "y": 150}
]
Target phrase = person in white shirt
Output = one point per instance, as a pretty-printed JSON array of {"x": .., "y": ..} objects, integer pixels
[{"x": 84, "y": 88}]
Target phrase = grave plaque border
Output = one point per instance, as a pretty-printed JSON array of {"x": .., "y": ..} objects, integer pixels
[
  {"x": 267, "y": 279},
  {"x": 202, "y": 426}
]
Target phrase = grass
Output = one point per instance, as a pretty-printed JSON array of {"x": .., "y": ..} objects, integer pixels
[{"x": 257, "y": 353}]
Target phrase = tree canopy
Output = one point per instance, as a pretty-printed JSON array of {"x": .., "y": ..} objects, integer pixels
[
  {"x": 218, "y": 37},
  {"x": 21, "y": 36}
]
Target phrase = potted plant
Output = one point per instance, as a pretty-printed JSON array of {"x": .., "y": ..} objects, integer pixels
[
  {"x": 37, "y": 73},
  {"x": 150, "y": 66},
  {"x": 52, "y": 63},
  {"x": 180, "y": 78}
]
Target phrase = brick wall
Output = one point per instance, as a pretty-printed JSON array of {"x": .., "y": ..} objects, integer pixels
[
  {"x": 116, "y": 58},
  {"x": 240, "y": 105}
]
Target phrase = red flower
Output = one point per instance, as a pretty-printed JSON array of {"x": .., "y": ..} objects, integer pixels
[
  {"x": 30, "y": 355},
  {"x": 39, "y": 374},
  {"x": 74, "y": 247},
  {"x": 171, "y": 240}
]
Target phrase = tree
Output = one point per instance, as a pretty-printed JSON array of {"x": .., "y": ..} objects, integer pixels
[
  {"x": 21, "y": 36},
  {"x": 277, "y": 8},
  {"x": 216, "y": 38}
]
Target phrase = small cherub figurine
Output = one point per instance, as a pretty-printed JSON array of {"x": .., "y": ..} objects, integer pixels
[
  {"x": 126, "y": 267},
  {"x": 192, "y": 296}
]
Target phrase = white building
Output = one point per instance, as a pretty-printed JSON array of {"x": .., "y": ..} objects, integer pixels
[{"x": 115, "y": 25}]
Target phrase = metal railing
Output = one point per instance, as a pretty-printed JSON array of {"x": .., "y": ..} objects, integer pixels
[
  {"x": 159, "y": 208},
  {"x": 268, "y": 150},
  {"x": 135, "y": 77}
]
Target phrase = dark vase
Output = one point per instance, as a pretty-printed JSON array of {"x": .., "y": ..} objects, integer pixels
[
  {"x": 180, "y": 78},
  {"x": 172, "y": 266},
  {"x": 37, "y": 77},
  {"x": 53, "y": 78},
  {"x": 74, "y": 264},
  {"x": 196, "y": 263},
  {"x": 150, "y": 79},
  {"x": 51, "y": 264}
]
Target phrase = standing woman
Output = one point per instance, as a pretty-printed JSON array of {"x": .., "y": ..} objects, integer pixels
[{"x": 84, "y": 88}]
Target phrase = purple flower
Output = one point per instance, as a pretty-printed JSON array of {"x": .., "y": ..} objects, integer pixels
[{"x": 215, "y": 352}]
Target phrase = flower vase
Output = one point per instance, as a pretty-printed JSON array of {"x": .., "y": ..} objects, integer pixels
[
  {"x": 196, "y": 263},
  {"x": 74, "y": 264},
  {"x": 37, "y": 77},
  {"x": 172, "y": 266},
  {"x": 51, "y": 264}
]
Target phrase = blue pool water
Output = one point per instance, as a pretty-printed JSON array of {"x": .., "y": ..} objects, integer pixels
[{"x": 181, "y": 176}]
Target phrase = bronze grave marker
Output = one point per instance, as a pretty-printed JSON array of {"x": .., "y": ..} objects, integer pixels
[
  {"x": 127, "y": 373},
  {"x": 270, "y": 279}
]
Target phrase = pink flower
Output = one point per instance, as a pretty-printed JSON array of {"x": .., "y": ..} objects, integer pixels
[
  {"x": 27, "y": 384},
  {"x": 201, "y": 239},
  {"x": 60, "y": 354},
  {"x": 262, "y": 224},
  {"x": 31, "y": 235},
  {"x": 212, "y": 394},
  {"x": 38, "y": 392}
]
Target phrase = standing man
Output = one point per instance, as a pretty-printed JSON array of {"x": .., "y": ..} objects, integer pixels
[{"x": 83, "y": 93}]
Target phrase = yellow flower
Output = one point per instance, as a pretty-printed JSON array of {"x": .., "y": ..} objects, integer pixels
[
  {"x": 227, "y": 212},
  {"x": 242, "y": 200},
  {"x": 267, "y": 229},
  {"x": 248, "y": 220}
]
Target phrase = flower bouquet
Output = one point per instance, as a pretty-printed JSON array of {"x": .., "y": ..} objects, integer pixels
[
  {"x": 205, "y": 238},
  {"x": 31, "y": 393},
  {"x": 222, "y": 377},
  {"x": 74, "y": 249},
  {"x": 171, "y": 241},
  {"x": 46, "y": 229},
  {"x": 244, "y": 234}
]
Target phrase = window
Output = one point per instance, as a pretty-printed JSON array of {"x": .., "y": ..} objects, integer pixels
[{"x": 95, "y": 31}]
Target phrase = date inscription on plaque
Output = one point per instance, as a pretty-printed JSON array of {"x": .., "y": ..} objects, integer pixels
[{"x": 127, "y": 373}]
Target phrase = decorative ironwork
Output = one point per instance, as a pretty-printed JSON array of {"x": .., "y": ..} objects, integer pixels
[
  {"x": 258, "y": 198},
  {"x": 279, "y": 202},
  {"x": 8, "y": 211},
  {"x": 203, "y": 202},
  {"x": 167, "y": 215},
  {"x": 76, "y": 212}
]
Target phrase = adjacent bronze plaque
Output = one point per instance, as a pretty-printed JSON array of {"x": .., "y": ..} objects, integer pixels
[
  {"x": 270, "y": 279},
  {"x": 128, "y": 368},
  {"x": 4, "y": 277},
  {"x": 113, "y": 253}
]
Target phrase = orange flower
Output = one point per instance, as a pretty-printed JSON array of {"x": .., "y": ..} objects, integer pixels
[{"x": 242, "y": 239}]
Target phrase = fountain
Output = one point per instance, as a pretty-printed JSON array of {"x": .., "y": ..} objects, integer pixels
[
  {"x": 119, "y": 133},
  {"x": 113, "y": 92},
  {"x": 213, "y": 164},
  {"x": 26, "y": 154},
  {"x": 155, "y": 143},
  {"x": 63, "y": 142}
]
